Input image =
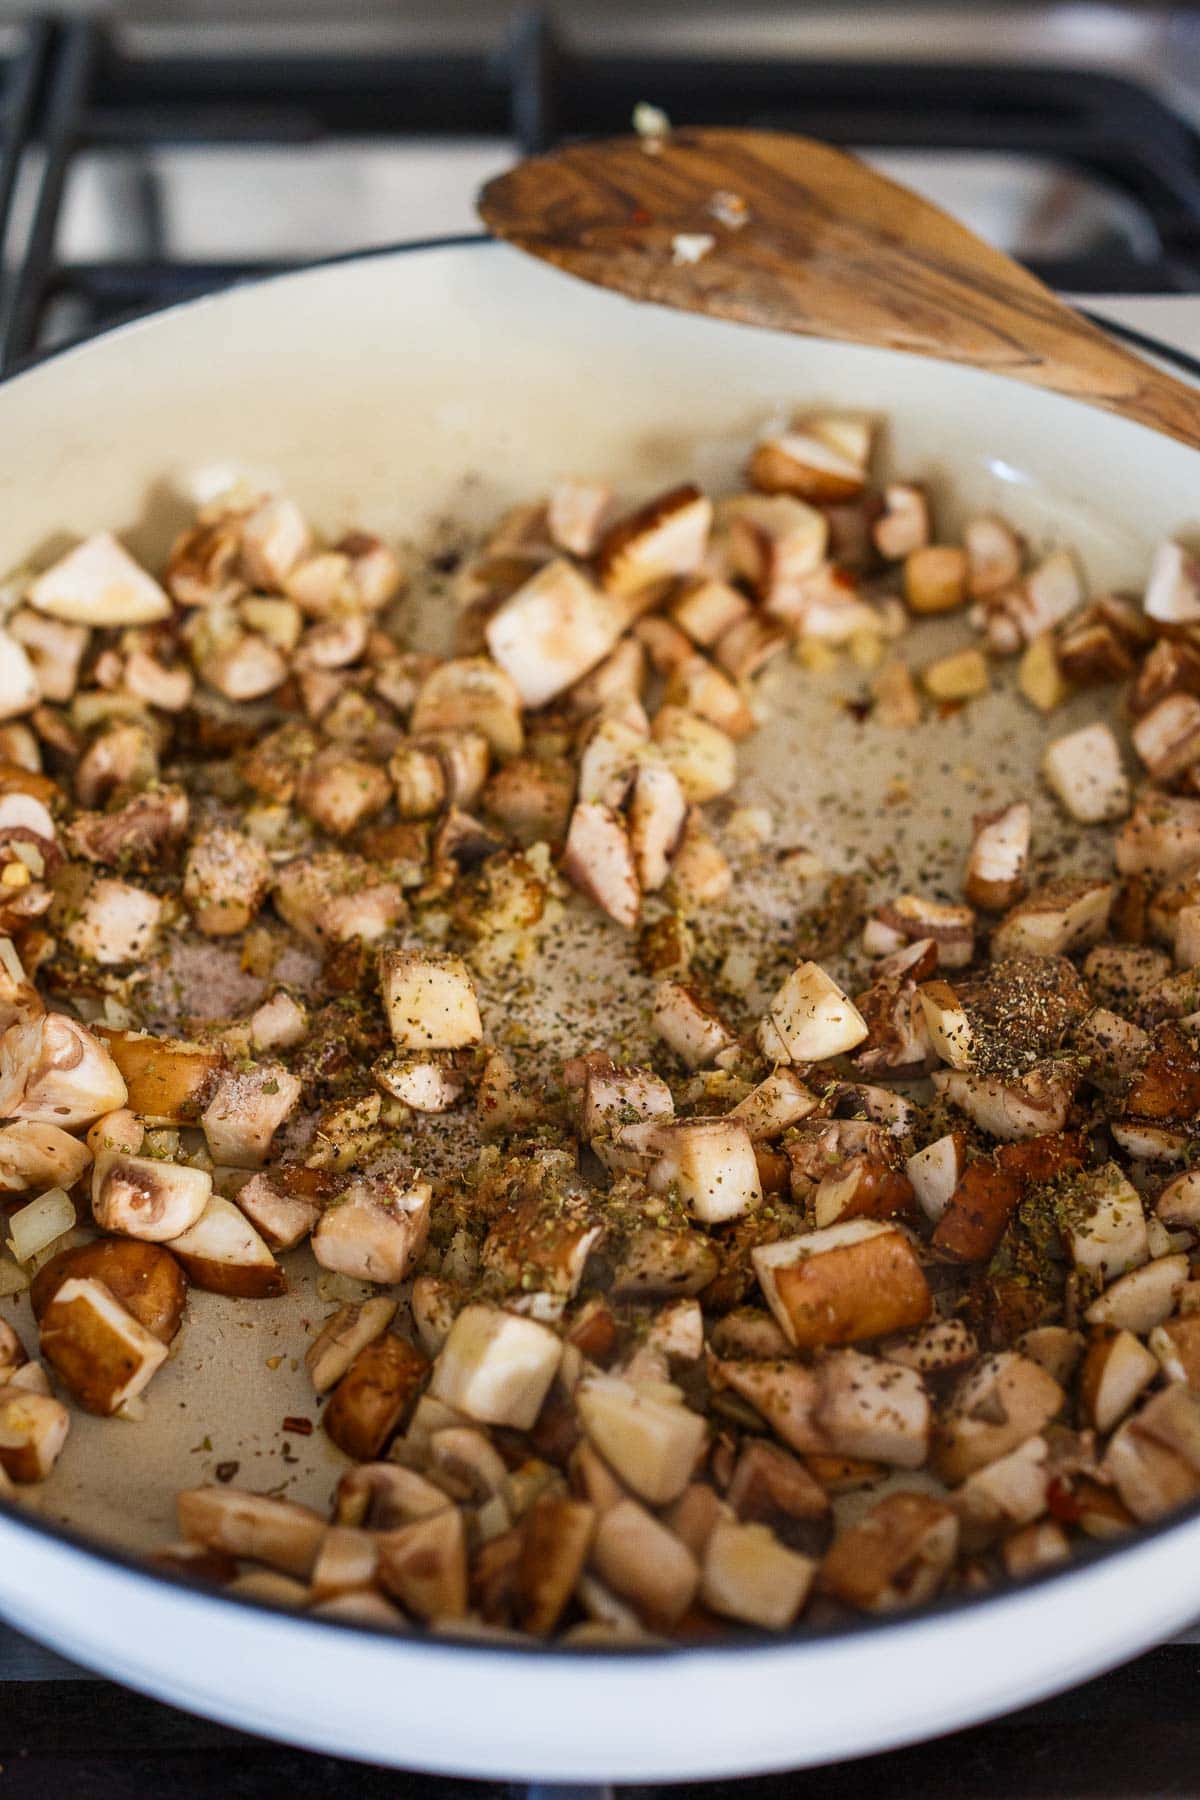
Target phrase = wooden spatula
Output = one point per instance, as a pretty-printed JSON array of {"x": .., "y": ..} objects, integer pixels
[{"x": 778, "y": 230}]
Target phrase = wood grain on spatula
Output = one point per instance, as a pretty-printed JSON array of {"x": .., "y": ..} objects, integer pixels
[{"x": 818, "y": 244}]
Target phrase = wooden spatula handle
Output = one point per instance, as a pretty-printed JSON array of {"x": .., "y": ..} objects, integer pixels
[{"x": 806, "y": 239}]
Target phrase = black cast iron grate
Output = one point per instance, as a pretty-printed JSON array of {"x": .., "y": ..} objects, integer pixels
[{"x": 77, "y": 86}]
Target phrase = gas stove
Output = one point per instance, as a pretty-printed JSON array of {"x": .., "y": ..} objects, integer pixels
[{"x": 141, "y": 163}]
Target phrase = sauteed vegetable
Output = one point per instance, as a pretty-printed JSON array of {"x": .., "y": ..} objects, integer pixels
[{"x": 880, "y": 1290}]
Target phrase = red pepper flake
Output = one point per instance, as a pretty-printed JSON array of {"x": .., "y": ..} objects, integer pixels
[
  {"x": 639, "y": 216},
  {"x": 1062, "y": 1503},
  {"x": 300, "y": 1427}
]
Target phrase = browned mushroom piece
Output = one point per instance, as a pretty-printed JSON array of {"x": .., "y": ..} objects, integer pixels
[
  {"x": 145, "y": 1278},
  {"x": 279, "y": 1533},
  {"x": 375, "y": 1228},
  {"x": 100, "y": 1351},
  {"x": 144, "y": 1197},
  {"x": 899, "y": 1555},
  {"x": 372, "y": 1398},
  {"x": 224, "y": 1254},
  {"x": 33, "y": 1430}
]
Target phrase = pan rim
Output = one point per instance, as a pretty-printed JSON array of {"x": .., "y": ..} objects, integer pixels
[{"x": 800, "y": 1640}]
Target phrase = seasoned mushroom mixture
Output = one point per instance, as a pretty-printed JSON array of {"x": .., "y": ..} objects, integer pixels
[{"x": 681, "y": 1322}]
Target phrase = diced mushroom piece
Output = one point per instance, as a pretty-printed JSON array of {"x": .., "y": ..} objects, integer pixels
[
  {"x": 99, "y": 583},
  {"x": 381, "y": 1496},
  {"x": 778, "y": 1101},
  {"x": 1006, "y": 1493},
  {"x": 1173, "y": 588},
  {"x": 1054, "y": 1348},
  {"x": 615, "y": 1099},
  {"x": 1174, "y": 1344},
  {"x": 496, "y": 1367},
  {"x": 1171, "y": 667},
  {"x": 429, "y": 1000},
  {"x": 866, "y": 1185},
  {"x": 340, "y": 792},
  {"x": 1142, "y": 1298},
  {"x": 663, "y": 539},
  {"x": 1179, "y": 1202},
  {"x": 999, "y": 857},
  {"x": 471, "y": 693},
  {"x": 203, "y": 567},
  {"x": 121, "y": 756},
  {"x": 333, "y": 898},
  {"x": 169, "y": 688},
  {"x": 375, "y": 1229},
  {"x": 274, "y": 538},
  {"x": 279, "y": 1023},
  {"x": 608, "y": 766},
  {"x": 1055, "y": 920},
  {"x": 709, "y": 1164},
  {"x": 707, "y": 608},
  {"x": 993, "y": 555},
  {"x": 556, "y": 1536},
  {"x": 1167, "y": 738},
  {"x": 1116, "y": 1370},
  {"x": 575, "y": 514},
  {"x": 1002, "y": 1402},
  {"x": 1026, "y": 1106},
  {"x": 935, "y": 1173},
  {"x": 99, "y": 1350},
  {"x": 898, "y": 1555},
  {"x": 140, "y": 834},
  {"x": 1049, "y": 594},
  {"x": 430, "y": 1082},
  {"x": 18, "y": 683},
  {"x": 810, "y": 1019},
  {"x": 1154, "y": 1457},
  {"x": 1112, "y": 1048},
  {"x": 700, "y": 873},
  {"x": 553, "y": 629},
  {"x": 226, "y": 879},
  {"x": 347, "y": 1564},
  {"x": 33, "y": 1430},
  {"x": 1034, "y": 1548},
  {"x": 1085, "y": 773},
  {"x": 689, "y": 1025},
  {"x": 223, "y": 1254},
  {"x": 652, "y": 1442},
  {"x": 1104, "y": 1224},
  {"x": 1161, "y": 836},
  {"x": 280, "y": 1533},
  {"x": 775, "y": 541},
  {"x": 375, "y": 1395},
  {"x": 748, "y": 1575},
  {"x": 144, "y": 1197},
  {"x": 246, "y": 1110},
  {"x": 105, "y": 920},
  {"x": 856, "y": 1280},
  {"x": 911, "y": 918},
  {"x": 904, "y": 525},
  {"x": 168, "y": 1082},
  {"x": 874, "y": 1410},
  {"x": 598, "y": 860},
  {"x": 701, "y": 756},
  {"x": 935, "y": 578},
  {"x": 240, "y": 665},
  {"x": 54, "y": 650},
  {"x": 425, "y": 1566},
  {"x": 897, "y": 702},
  {"x": 942, "y": 1345},
  {"x": 822, "y": 458},
  {"x": 657, "y": 817},
  {"x": 948, "y": 1024},
  {"x": 39, "y": 1156},
  {"x": 343, "y": 1335},
  {"x": 283, "y": 1204},
  {"x": 640, "y": 1560},
  {"x": 54, "y": 1071},
  {"x": 744, "y": 649}
]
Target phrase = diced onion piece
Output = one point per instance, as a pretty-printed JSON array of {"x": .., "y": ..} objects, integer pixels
[{"x": 40, "y": 1223}]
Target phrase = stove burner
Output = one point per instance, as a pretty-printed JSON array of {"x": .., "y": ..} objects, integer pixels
[{"x": 84, "y": 89}]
